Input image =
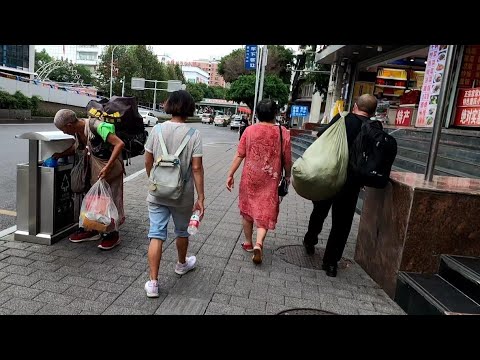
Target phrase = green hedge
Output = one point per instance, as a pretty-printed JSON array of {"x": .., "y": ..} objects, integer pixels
[{"x": 18, "y": 101}]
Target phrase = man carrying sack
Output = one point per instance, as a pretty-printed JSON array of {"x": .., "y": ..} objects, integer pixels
[{"x": 344, "y": 202}]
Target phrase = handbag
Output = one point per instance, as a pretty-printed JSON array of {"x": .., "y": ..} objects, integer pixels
[{"x": 283, "y": 185}]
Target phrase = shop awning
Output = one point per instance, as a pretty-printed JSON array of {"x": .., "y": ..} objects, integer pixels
[
  {"x": 359, "y": 53},
  {"x": 245, "y": 110}
]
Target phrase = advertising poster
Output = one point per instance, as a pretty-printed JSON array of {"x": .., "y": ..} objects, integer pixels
[{"x": 432, "y": 83}]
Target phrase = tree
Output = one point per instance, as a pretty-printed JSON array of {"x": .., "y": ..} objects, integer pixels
[
  {"x": 196, "y": 91},
  {"x": 64, "y": 73},
  {"x": 85, "y": 74},
  {"x": 136, "y": 61},
  {"x": 218, "y": 92},
  {"x": 232, "y": 66},
  {"x": 306, "y": 60},
  {"x": 179, "y": 72},
  {"x": 42, "y": 58},
  {"x": 243, "y": 90}
]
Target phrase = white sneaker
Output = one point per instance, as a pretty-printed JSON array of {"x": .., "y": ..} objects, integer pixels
[
  {"x": 151, "y": 287},
  {"x": 190, "y": 263}
]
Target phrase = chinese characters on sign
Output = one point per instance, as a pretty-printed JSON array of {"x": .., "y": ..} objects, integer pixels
[
  {"x": 250, "y": 57},
  {"x": 404, "y": 116},
  {"x": 300, "y": 111},
  {"x": 470, "y": 69},
  {"x": 468, "y": 108},
  {"x": 431, "y": 85}
]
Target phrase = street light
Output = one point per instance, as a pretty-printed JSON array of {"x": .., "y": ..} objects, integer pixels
[
  {"x": 111, "y": 71},
  {"x": 123, "y": 85}
]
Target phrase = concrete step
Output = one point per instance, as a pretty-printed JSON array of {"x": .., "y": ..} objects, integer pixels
[{"x": 424, "y": 294}]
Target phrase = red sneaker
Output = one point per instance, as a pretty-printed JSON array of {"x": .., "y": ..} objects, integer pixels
[
  {"x": 109, "y": 241},
  {"x": 81, "y": 235}
]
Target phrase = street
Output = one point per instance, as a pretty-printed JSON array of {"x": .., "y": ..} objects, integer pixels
[{"x": 15, "y": 151}]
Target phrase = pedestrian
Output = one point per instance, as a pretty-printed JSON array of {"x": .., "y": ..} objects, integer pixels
[
  {"x": 343, "y": 204},
  {"x": 171, "y": 135},
  {"x": 262, "y": 149},
  {"x": 105, "y": 161},
  {"x": 243, "y": 125}
]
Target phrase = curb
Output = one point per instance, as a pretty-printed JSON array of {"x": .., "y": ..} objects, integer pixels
[{"x": 8, "y": 231}]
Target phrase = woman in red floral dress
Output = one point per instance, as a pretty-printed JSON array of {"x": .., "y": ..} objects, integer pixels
[{"x": 258, "y": 196}]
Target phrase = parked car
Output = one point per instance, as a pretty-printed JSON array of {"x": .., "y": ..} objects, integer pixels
[
  {"x": 236, "y": 122},
  {"x": 149, "y": 119},
  {"x": 207, "y": 118},
  {"x": 221, "y": 120}
]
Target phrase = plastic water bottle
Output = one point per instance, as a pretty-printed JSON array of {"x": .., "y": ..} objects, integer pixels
[{"x": 194, "y": 223}]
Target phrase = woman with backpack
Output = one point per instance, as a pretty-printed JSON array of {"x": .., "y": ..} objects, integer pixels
[
  {"x": 173, "y": 161},
  {"x": 104, "y": 150}
]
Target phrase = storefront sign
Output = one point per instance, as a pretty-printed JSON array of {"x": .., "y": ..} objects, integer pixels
[
  {"x": 404, "y": 117},
  {"x": 470, "y": 69},
  {"x": 431, "y": 85},
  {"x": 468, "y": 108}
]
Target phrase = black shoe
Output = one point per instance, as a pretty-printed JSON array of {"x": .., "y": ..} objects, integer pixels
[
  {"x": 331, "y": 270},
  {"x": 309, "y": 248}
]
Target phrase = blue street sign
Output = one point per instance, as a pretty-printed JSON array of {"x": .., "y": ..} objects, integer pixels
[
  {"x": 298, "y": 110},
  {"x": 250, "y": 57}
]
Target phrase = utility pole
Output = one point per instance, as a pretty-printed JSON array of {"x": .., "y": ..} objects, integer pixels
[{"x": 262, "y": 72}]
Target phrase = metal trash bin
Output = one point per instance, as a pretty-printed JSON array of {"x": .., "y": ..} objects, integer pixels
[{"x": 45, "y": 202}]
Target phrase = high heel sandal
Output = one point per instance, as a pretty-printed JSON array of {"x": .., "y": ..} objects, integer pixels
[{"x": 257, "y": 254}]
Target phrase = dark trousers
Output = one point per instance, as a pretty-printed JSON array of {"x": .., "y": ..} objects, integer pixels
[{"x": 343, "y": 210}]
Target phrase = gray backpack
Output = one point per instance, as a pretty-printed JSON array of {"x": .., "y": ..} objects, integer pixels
[{"x": 166, "y": 178}]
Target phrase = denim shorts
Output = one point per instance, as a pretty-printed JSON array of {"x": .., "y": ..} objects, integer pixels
[{"x": 160, "y": 215}]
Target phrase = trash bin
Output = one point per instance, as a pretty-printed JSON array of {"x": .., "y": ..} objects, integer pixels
[{"x": 45, "y": 202}]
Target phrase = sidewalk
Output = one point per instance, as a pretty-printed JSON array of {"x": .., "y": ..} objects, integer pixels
[{"x": 67, "y": 278}]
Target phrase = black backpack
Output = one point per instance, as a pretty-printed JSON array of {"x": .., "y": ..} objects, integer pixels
[
  {"x": 123, "y": 113},
  {"x": 372, "y": 155}
]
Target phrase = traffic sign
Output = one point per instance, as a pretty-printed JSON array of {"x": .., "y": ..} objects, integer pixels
[{"x": 251, "y": 57}]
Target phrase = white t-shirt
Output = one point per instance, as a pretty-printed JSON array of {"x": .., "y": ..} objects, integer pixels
[{"x": 173, "y": 134}]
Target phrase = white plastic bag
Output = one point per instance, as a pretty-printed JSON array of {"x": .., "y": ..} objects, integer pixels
[
  {"x": 322, "y": 170},
  {"x": 98, "y": 210}
]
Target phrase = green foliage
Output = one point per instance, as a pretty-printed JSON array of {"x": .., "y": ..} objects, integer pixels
[
  {"x": 232, "y": 66},
  {"x": 64, "y": 73},
  {"x": 201, "y": 91},
  {"x": 18, "y": 101},
  {"x": 196, "y": 91},
  {"x": 243, "y": 90},
  {"x": 135, "y": 61}
]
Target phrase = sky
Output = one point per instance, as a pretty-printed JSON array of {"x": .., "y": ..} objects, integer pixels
[{"x": 196, "y": 52}]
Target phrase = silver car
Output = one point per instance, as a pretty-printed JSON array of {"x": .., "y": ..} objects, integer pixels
[{"x": 236, "y": 122}]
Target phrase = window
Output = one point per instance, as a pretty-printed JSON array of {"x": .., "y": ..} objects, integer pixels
[{"x": 86, "y": 56}]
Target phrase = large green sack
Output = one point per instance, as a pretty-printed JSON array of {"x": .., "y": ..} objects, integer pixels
[{"x": 322, "y": 170}]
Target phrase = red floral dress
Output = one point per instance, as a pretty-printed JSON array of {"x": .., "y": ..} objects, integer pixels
[{"x": 258, "y": 195}]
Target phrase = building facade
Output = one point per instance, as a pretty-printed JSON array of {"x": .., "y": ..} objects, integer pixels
[
  {"x": 195, "y": 75},
  {"x": 87, "y": 55},
  {"x": 17, "y": 59},
  {"x": 208, "y": 66}
]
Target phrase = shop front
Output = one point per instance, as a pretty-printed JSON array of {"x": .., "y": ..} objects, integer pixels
[{"x": 407, "y": 82}]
